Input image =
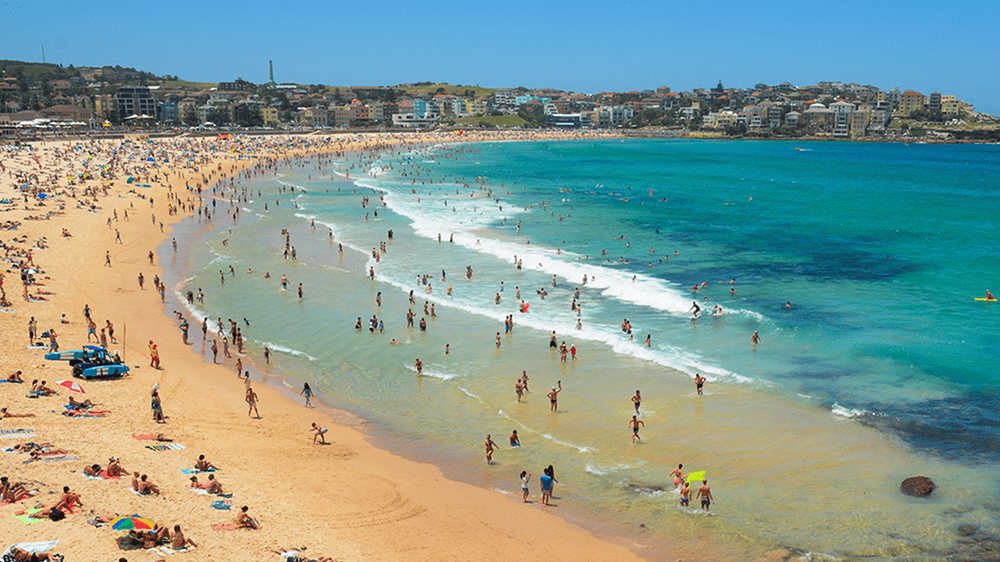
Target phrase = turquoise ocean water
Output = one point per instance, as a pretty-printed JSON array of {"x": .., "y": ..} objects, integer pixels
[{"x": 883, "y": 367}]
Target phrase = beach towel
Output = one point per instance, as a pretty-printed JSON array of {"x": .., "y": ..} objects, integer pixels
[
  {"x": 167, "y": 550},
  {"x": 223, "y": 504},
  {"x": 12, "y": 382},
  {"x": 28, "y": 520},
  {"x": 167, "y": 447},
  {"x": 136, "y": 492},
  {"x": 159, "y": 437},
  {"x": 224, "y": 527},
  {"x": 16, "y": 433},
  {"x": 33, "y": 546},
  {"x": 83, "y": 413},
  {"x": 195, "y": 471},
  {"x": 205, "y": 492},
  {"x": 55, "y": 458}
]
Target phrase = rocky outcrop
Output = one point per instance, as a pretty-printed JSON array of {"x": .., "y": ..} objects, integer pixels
[{"x": 918, "y": 486}]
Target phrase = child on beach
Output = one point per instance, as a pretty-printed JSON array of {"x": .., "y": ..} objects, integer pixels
[
  {"x": 307, "y": 392},
  {"x": 524, "y": 485}
]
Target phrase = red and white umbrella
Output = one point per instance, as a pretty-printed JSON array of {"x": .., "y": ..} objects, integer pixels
[{"x": 72, "y": 385}]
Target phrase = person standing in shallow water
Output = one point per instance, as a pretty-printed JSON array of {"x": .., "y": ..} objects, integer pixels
[
  {"x": 637, "y": 400},
  {"x": 554, "y": 397},
  {"x": 307, "y": 392}
]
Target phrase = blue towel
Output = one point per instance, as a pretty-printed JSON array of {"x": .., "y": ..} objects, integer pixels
[
  {"x": 195, "y": 471},
  {"x": 223, "y": 504}
]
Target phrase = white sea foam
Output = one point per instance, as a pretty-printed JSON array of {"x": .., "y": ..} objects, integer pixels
[
  {"x": 282, "y": 349},
  {"x": 433, "y": 374},
  {"x": 667, "y": 356},
  {"x": 839, "y": 410},
  {"x": 471, "y": 395}
]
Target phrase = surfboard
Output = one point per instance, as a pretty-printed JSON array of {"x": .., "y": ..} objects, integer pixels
[{"x": 985, "y": 299}]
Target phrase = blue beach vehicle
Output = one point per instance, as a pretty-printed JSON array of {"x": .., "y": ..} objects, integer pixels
[{"x": 91, "y": 362}]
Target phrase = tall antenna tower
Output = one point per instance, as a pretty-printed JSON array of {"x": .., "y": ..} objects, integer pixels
[
  {"x": 43, "y": 53},
  {"x": 270, "y": 65}
]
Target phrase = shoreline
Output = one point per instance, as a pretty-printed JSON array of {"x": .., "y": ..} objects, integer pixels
[
  {"x": 385, "y": 437},
  {"x": 374, "y": 489}
]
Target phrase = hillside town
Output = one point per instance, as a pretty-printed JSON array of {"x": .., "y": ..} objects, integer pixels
[{"x": 112, "y": 98}]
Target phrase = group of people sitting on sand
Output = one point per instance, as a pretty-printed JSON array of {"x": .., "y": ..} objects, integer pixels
[
  {"x": 143, "y": 486},
  {"x": 11, "y": 492},
  {"x": 212, "y": 486},
  {"x": 157, "y": 536},
  {"x": 38, "y": 388},
  {"x": 114, "y": 470}
]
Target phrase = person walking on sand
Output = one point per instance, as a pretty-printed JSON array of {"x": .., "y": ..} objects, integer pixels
[
  {"x": 320, "y": 432},
  {"x": 490, "y": 446},
  {"x": 157, "y": 407},
  {"x": 252, "y": 401},
  {"x": 705, "y": 493},
  {"x": 307, "y": 392},
  {"x": 634, "y": 424},
  {"x": 154, "y": 357},
  {"x": 554, "y": 397},
  {"x": 699, "y": 383},
  {"x": 107, "y": 258}
]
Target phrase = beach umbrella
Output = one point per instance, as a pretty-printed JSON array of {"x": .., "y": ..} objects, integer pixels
[
  {"x": 131, "y": 522},
  {"x": 72, "y": 385}
]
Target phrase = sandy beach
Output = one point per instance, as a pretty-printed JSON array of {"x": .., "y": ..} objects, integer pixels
[{"x": 347, "y": 500}]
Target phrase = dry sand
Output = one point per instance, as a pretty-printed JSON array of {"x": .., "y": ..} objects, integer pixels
[{"x": 347, "y": 500}]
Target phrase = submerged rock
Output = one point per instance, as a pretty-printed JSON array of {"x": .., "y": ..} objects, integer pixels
[{"x": 918, "y": 486}]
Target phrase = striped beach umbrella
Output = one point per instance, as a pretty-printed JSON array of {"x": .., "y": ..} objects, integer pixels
[
  {"x": 131, "y": 522},
  {"x": 72, "y": 385}
]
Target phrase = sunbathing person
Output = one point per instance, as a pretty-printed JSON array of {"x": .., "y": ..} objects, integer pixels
[
  {"x": 195, "y": 484},
  {"x": 92, "y": 470},
  {"x": 38, "y": 449},
  {"x": 47, "y": 513},
  {"x": 5, "y": 414},
  {"x": 80, "y": 405},
  {"x": 177, "y": 539},
  {"x": 244, "y": 521},
  {"x": 15, "y": 377},
  {"x": 21, "y": 554},
  {"x": 11, "y": 492},
  {"x": 203, "y": 465},
  {"x": 84, "y": 413},
  {"x": 146, "y": 488},
  {"x": 115, "y": 467},
  {"x": 68, "y": 500},
  {"x": 213, "y": 486}
]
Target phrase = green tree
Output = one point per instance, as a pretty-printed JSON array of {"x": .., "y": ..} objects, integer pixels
[
  {"x": 218, "y": 116},
  {"x": 191, "y": 117}
]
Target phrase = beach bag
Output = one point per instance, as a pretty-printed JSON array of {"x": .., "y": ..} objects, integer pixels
[{"x": 57, "y": 515}]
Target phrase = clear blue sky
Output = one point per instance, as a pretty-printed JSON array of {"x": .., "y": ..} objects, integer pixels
[{"x": 584, "y": 46}]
